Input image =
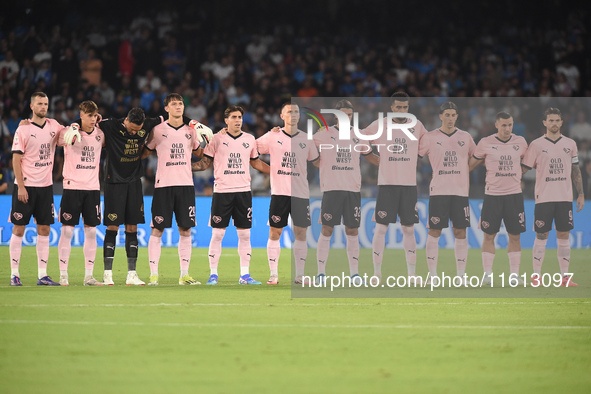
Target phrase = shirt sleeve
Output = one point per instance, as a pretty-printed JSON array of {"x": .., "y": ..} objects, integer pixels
[
  {"x": 424, "y": 145},
  {"x": 263, "y": 143},
  {"x": 480, "y": 152},
  {"x": 313, "y": 154},
  {"x": 19, "y": 143},
  {"x": 211, "y": 147},
  {"x": 529, "y": 159},
  {"x": 254, "y": 153},
  {"x": 574, "y": 154},
  {"x": 472, "y": 147}
]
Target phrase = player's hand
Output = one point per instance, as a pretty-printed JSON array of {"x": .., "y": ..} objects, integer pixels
[
  {"x": 223, "y": 131},
  {"x": 72, "y": 135},
  {"x": 24, "y": 122},
  {"x": 23, "y": 196},
  {"x": 580, "y": 202},
  {"x": 204, "y": 133},
  {"x": 276, "y": 129},
  {"x": 99, "y": 118}
]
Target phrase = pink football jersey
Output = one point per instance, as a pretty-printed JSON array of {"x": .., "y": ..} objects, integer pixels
[
  {"x": 174, "y": 147},
  {"x": 231, "y": 161},
  {"x": 289, "y": 161},
  {"x": 37, "y": 146},
  {"x": 339, "y": 161},
  {"x": 449, "y": 156},
  {"x": 553, "y": 161},
  {"x": 502, "y": 160},
  {"x": 398, "y": 156},
  {"x": 82, "y": 160}
]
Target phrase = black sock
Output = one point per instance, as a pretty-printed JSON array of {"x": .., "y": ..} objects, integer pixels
[
  {"x": 131, "y": 247},
  {"x": 109, "y": 248}
]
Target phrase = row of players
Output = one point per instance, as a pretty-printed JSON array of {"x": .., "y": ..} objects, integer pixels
[{"x": 452, "y": 154}]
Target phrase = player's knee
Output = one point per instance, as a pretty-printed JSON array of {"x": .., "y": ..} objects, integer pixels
[
  {"x": 43, "y": 230},
  {"x": 158, "y": 232},
  {"x": 326, "y": 231},
  {"x": 563, "y": 234},
  {"x": 275, "y": 233},
  {"x": 542, "y": 236},
  {"x": 459, "y": 233},
  {"x": 19, "y": 231},
  {"x": 67, "y": 231},
  {"x": 351, "y": 231},
  {"x": 436, "y": 233},
  {"x": 300, "y": 233}
]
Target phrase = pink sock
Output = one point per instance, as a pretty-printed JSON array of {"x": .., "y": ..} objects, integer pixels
[
  {"x": 487, "y": 261},
  {"x": 16, "y": 245},
  {"x": 538, "y": 251},
  {"x": 89, "y": 247},
  {"x": 215, "y": 248},
  {"x": 273, "y": 253},
  {"x": 185, "y": 249},
  {"x": 378, "y": 245},
  {"x": 410, "y": 248},
  {"x": 244, "y": 250},
  {"x": 563, "y": 253},
  {"x": 353, "y": 254},
  {"x": 432, "y": 251},
  {"x": 154, "y": 250},
  {"x": 514, "y": 261},
  {"x": 322, "y": 252},
  {"x": 461, "y": 252},
  {"x": 42, "y": 253},
  {"x": 64, "y": 246},
  {"x": 300, "y": 251}
]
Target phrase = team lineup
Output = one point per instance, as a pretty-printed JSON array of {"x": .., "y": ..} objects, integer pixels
[{"x": 452, "y": 154}]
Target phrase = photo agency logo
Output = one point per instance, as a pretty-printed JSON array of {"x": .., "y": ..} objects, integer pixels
[{"x": 353, "y": 138}]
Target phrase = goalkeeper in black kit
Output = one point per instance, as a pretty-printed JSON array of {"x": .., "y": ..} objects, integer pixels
[{"x": 124, "y": 202}]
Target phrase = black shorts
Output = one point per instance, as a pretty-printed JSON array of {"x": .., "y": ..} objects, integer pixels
[
  {"x": 76, "y": 202},
  {"x": 561, "y": 212},
  {"x": 124, "y": 203},
  {"x": 40, "y": 205},
  {"x": 394, "y": 200},
  {"x": 444, "y": 208},
  {"x": 282, "y": 206},
  {"x": 507, "y": 208},
  {"x": 177, "y": 199},
  {"x": 337, "y": 204},
  {"x": 237, "y": 206}
]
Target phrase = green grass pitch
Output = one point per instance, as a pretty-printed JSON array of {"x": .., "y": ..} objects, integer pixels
[{"x": 233, "y": 338}]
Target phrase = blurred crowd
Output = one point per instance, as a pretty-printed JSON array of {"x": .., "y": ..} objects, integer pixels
[{"x": 123, "y": 64}]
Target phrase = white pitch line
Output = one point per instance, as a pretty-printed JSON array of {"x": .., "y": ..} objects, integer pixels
[
  {"x": 259, "y": 325},
  {"x": 377, "y": 304}
]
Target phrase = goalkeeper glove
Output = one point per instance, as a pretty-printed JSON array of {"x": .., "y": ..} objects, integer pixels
[
  {"x": 72, "y": 135},
  {"x": 204, "y": 133}
]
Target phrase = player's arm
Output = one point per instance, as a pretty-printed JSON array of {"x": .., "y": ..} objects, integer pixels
[
  {"x": 524, "y": 169},
  {"x": 260, "y": 165},
  {"x": 373, "y": 159},
  {"x": 474, "y": 162},
  {"x": 578, "y": 182},
  {"x": 202, "y": 165},
  {"x": 18, "y": 174}
]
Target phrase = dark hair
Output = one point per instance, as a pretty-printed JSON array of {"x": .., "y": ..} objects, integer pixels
[
  {"x": 37, "y": 94},
  {"x": 448, "y": 105},
  {"x": 400, "y": 96},
  {"x": 552, "y": 111},
  {"x": 343, "y": 104},
  {"x": 285, "y": 104},
  {"x": 172, "y": 97},
  {"x": 88, "y": 107},
  {"x": 233, "y": 108},
  {"x": 503, "y": 115},
  {"x": 136, "y": 116}
]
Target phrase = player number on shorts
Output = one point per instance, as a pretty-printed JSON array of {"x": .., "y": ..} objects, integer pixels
[
  {"x": 357, "y": 212},
  {"x": 192, "y": 212},
  {"x": 249, "y": 213},
  {"x": 467, "y": 212}
]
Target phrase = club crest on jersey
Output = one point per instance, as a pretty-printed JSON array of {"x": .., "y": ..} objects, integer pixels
[
  {"x": 245, "y": 145},
  {"x": 52, "y": 134},
  {"x": 275, "y": 219},
  {"x": 412, "y": 130},
  {"x": 539, "y": 223},
  {"x": 141, "y": 133},
  {"x": 98, "y": 138},
  {"x": 17, "y": 215},
  {"x": 382, "y": 214},
  {"x": 327, "y": 216},
  {"x": 158, "y": 219},
  {"x": 188, "y": 136},
  {"x": 516, "y": 147},
  {"x": 435, "y": 220},
  {"x": 66, "y": 216},
  {"x": 302, "y": 145},
  {"x": 461, "y": 143},
  {"x": 566, "y": 150},
  {"x": 112, "y": 216},
  {"x": 216, "y": 219},
  {"x": 484, "y": 224},
  {"x": 355, "y": 140}
]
